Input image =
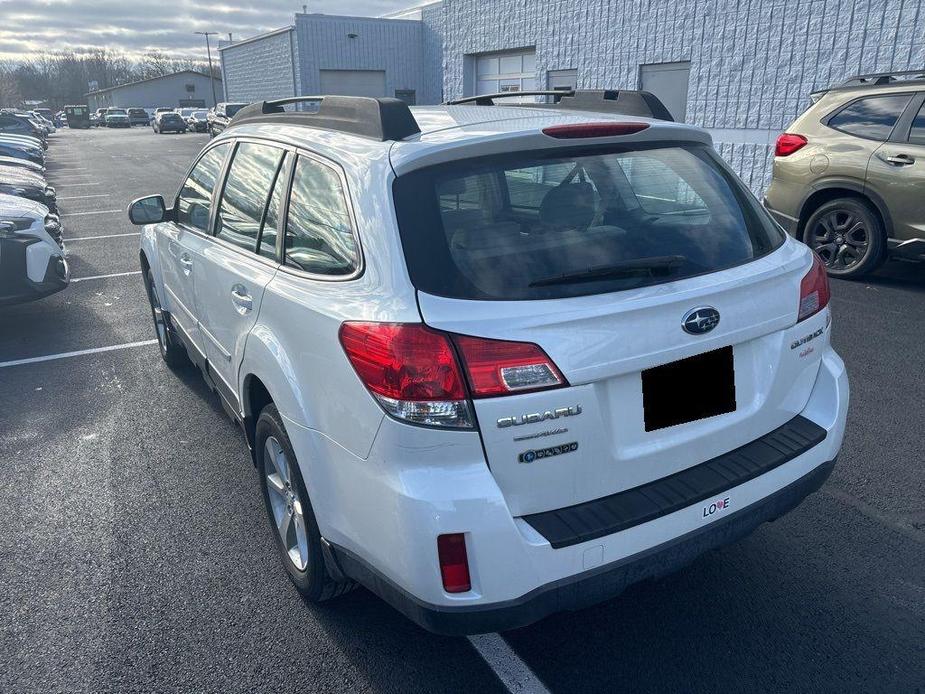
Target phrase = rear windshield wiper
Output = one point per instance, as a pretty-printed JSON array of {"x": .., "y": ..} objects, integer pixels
[{"x": 655, "y": 266}]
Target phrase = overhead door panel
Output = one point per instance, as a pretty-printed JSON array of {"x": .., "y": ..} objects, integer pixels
[{"x": 353, "y": 82}]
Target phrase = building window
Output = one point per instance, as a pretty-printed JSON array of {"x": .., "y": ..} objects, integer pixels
[
  {"x": 406, "y": 95},
  {"x": 512, "y": 71},
  {"x": 668, "y": 81},
  {"x": 562, "y": 79}
]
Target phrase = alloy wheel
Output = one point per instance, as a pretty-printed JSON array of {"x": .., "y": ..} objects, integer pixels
[
  {"x": 285, "y": 503},
  {"x": 842, "y": 240},
  {"x": 160, "y": 324}
]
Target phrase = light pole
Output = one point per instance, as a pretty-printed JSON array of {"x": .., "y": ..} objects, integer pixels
[{"x": 207, "y": 34}]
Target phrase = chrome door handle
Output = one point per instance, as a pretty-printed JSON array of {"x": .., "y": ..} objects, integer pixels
[
  {"x": 187, "y": 264},
  {"x": 243, "y": 302},
  {"x": 899, "y": 159}
]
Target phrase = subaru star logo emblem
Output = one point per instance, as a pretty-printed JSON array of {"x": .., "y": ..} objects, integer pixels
[{"x": 700, "y": 320}]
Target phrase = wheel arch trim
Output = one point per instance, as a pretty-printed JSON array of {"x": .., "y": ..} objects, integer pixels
[{"x": 855, "y": 187}]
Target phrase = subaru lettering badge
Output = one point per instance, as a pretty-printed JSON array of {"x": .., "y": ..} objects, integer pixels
[{"x": 700, "y": 320}]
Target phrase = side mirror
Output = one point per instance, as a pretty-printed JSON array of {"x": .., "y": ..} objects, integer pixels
[{"x": 149, "y": 210}]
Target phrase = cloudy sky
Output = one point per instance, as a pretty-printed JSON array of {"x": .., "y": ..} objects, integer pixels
[{"x": 29, "y": 27}]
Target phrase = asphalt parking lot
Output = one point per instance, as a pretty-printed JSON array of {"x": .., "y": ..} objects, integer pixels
[{"x": 135, "y": 554}]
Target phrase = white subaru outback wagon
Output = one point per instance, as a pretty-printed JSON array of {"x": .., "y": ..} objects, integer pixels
[{"x": 494, "y": 362}]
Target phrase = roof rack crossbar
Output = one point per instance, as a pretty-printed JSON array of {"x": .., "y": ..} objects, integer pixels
[
  {"x": 627, "y": 102},
  {"x": 381, "y": 119},
  {"x": 884, "y": 77}
]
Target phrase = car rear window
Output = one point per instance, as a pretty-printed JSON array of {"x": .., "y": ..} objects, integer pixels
[
  {"x": 232, "y": 109},
  {"x": 588, "y": 221}
]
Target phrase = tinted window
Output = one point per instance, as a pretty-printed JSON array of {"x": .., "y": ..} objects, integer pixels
[
  {"x": 196, "y": 193},
  {"x": 271, "y": 220},
  {"x": 319, "y": 235},
  {"x": 247, "y": 188},
  {"x": 873, "y": 117},
  {"x": 513, "y": 226},
  {"x": 917, "y": 134},
  {"x": 232, "y": 109}
]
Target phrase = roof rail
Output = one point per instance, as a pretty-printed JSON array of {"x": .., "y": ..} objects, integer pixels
[
  {"x": 626, "y": 102},
  {"x": 381, "y": 119},
  {"x": 877, "y": 78}
]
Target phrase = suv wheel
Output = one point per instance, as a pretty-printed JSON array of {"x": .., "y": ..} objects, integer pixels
[
  {"x": 292, "y": 519},
  {"x": 173, "y": 353},
  {"x": 848, "y": 236}
]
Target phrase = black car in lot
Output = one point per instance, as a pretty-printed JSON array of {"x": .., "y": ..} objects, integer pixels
[
  {"x": 169, "y": 122},
  {"x": 138, "y": 116},
  {"x": 27, "y": 184},
  {"x": 221, "y": 115}
]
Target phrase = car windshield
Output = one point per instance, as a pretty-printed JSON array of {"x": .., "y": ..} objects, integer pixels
[
  {"x": 115, "y": 112},
  {"x": 199, "y": 114},
  {"x": 186, "y": 112},
  {"x": 550, "y": 225}
]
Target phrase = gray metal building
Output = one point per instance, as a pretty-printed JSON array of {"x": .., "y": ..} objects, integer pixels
[
  {"x": 186, "y": 88},
  {"x": 741, "y": 68}
]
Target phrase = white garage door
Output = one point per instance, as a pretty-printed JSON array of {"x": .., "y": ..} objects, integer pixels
[
  {"x": 513, "y": 71},
  {"x": 353, "y": 82}
]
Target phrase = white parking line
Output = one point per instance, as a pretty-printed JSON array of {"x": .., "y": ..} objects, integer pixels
[
  {"x": 514, "y": 673},
  {"x": 77, "y": 214},
  {"x": 103, "y": 277},
  {"x": 72, "y": 185},
  {"x": 81, "y": 197},
  {"x": 106, "y": 236},
  {"x": 78, "y": 353}
]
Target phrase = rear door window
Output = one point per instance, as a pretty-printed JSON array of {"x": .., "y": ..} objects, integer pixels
[
  {"x": 917, "y": 133},
  {"x": 872, "y": 117},
  {"x": 196, "y": 194},
  {"x": 247, "y": 191},
  {"x": 551, "y": 225},
  {"x": 319, "y": 233}
]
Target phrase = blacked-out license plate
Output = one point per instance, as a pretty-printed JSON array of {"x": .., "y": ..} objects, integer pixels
[{"x": 694, "y": 388}]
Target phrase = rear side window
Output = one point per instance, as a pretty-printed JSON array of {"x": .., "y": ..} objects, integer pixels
[
  {"x": 552, "y": 225},
  {"x": 319, "y": 233},
  {"x": 872, "y": 117},
  {"x": 917, "y": 134},
  {"x": 196, "y": 194},
  {"x": 247, "y": 190}
]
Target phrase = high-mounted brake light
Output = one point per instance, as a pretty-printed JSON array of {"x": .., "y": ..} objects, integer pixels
[
  {"x": 454, "y": 563},
  {"x": 500, "y": 367},
  {"x": 579, "y": 130},
  {"x": 788, "y": 143},
  {"x": 814, "y": 290},
  {"x": 413, "y": 371}
]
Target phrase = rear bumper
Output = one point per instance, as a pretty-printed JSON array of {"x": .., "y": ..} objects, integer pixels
[
  {"x": 591, "y": 587},
  {"x": 790, "y": 224}
]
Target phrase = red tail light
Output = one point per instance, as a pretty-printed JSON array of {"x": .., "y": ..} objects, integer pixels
[
  {"x": 498, "y": 367},
  {"x": 413, "y": 372},
  {"x": 578, "y": 130},
  {"x": 814, "y": 290},
  {"x": 787, "y": 144},
  {"x": 454, "y": 563}
]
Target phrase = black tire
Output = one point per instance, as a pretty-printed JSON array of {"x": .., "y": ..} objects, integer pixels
[
  {"x": 172, "y": 352},
  {"x": 848, "y": 235},
  {"x": 313, "y": 582}
]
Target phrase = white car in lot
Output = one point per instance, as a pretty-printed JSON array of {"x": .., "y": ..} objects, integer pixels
[
  {"x": 494, "y": 362},
  {"x": 32, "y": 258}
]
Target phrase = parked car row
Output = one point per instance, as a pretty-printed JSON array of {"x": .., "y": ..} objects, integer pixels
[{"x": 32, "y": 255}]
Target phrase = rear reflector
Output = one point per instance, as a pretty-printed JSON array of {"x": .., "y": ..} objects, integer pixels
[
  {"x": 454, "y": 563},
  {"x": 814, "y": 290},
  {"x": 578, "y": 130},
  {"x": 787, "y": 144},
  {"x": 499, "y": 367}
]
